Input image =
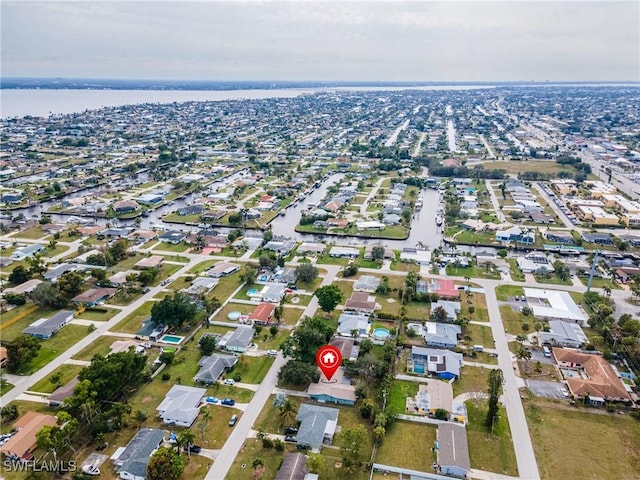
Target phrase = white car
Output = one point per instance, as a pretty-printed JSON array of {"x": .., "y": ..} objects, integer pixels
[
  {"x": 229, "y": 381},
  {"x": 272, "y": 353},
  {"x": 565, "y": 392}
]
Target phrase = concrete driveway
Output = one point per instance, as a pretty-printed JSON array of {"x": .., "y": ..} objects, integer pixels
[{"x": 546, "y": 389}]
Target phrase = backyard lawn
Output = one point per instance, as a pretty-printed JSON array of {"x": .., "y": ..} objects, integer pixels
[
  {"x": 100, "y": 315},
  {"x": 54, "y": 346},
  {"x": 408, "y": 445},
  {"x": 605, "y": 446},
  {"x": 241, "y": 468},
  {"x": 98, "y": 347},
  {"x": 400, "y": 390},
  {"x": 472, "y": 379},
  {"x": 269, "y": 419},
  {"x": 503, "y": 292},
  {"x": 480, "y": 335},
  {"x": 251, "y": 369}
]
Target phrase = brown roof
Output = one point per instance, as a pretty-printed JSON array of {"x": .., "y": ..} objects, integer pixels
[
  {"x": 602, "y": 381},
  {"x": 63, "y": 392},
  {"x": 3, "y": 355},
  {"x": 93, "y": 295},
  {"x": 24, "y": 442},
  {"x": 360, "y": 301},
  {"x": 262, "y": 312},
  {"x": 150, "y": 262},
  {"x": 292, "y": 467}
]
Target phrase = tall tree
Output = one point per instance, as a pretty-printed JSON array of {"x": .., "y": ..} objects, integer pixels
[
  {"x": 165, "y": 464},
  {"x": 494, "y": 384},
  {"x": 353, "y": 439},
  {"x": 48, "y": 295},
  {"x": 70, "y": 283},
  {"x": 20, "y": 351},
  {"x": 306, "y": 273},
  {"x": 329, "y": 297},
  {"x": 173, "y": 310},
  {"x": 287, "y": 411}
]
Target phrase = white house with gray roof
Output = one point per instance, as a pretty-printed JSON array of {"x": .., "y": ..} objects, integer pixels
[
  {"x": 317, "y": 425},
  {"x": 181, "y": 405},
  {"x": 131, "y": 461},
  {"x": 563, "y": 334},
  {"x": 26, "y": 252},
  {"x": 46, "y": 327},
  {"x": 212, "y": 366},
  {"x": 237, "y": 340}
]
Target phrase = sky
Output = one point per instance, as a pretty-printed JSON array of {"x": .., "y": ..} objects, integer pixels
[{"x": 507, "y": 40}]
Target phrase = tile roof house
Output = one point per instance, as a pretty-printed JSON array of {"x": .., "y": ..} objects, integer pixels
[
  {"x": 595, "y": 379},
  {"x": 60, "y": 394},
  {"x": 47, "y": 327},
  {"x": 212, "y": 366},
  {"x": 125, "y": 206},
  {"x": 25, "y": 287},
  {"x": 150, "y": 262},
  {"x": 237, "y": 340},
  {"x": 361, "y": 302},
  {"x": 262, "y": 314},
  {"x": 436, "y": 394},
  {"x": 222, "y": 269},
  {"x": 317, "y": 425},
  {"x": 131, "y": 461},
  {"x": 94, "y": 296},
  {"x": 443, "y": 288},
  {"x": 23, "y": 443},
  {"x": 444, "y": 364},
  {"x": 181, "y": 405}
]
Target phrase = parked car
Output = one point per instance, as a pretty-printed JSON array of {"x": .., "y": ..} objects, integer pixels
[
  {"x": 272, "y": 353},
  {"x": 291, "y": 438},
  {"x": 233, "y": 420},
  {"x": 229, "y": 381},
  {"x": 228, "y": 401},
  {"x": 290, "y": 430},
  {"x": 192, "y": 448}
]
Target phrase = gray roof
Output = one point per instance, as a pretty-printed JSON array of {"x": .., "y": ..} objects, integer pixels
[
  {"x": 439, "y": 360},
  {"x": 30, "y": 249},
  {"x": 348, "y": 322},
  {"x": 452, "y": 308},
  {"x": 58, "y": 270},
  {"x": 441, "y": 333},
  {"x": 564, "y": 333},
  {"x": 212, "y": 366},
  {"x": 313, "y": 423},
  {"x": 241, "y": 337},
  {"x": 47, "y": 327},
  {"x": 135, "y": 457},
  {"x": 453, "y": 450},
  {"x": 366, "y": 282},
  {"x": 181, "y": 403},
  {"x": 292, "y": 467}
]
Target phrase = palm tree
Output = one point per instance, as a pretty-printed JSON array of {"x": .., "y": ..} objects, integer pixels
[
  {"x": 205, "y": 417},
  {"x": 537, "y": 326},
  {"x": 524, "y": 354},
  {"x": 607, "y": 291},
  {"x": 288, "y": 410},
  {"x": 185, "y": 439}
]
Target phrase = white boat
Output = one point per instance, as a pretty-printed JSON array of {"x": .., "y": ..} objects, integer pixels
[{"x": 438, "y": 220}]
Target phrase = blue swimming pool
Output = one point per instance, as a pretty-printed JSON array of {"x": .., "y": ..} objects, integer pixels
[
  {"x": 264, "y": 278},
  {"x": 172, "y": 339},
  {"x": 418, "y": 368},
  {"x": 252, "y": 292},
  {"x": 381, "y": 333}
]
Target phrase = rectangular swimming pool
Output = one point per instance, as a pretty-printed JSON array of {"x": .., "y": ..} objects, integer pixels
[{"x": 171, "y": 339}]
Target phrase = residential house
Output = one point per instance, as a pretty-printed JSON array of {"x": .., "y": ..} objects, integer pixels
[
  {"x": 285, "y": 275},
  {"x": 190, "y": 210},
  {"x": 442, "y": 335},
  {"x": 344, "y": 252},
  {"x": 172, "y": 237},
  {"x": 453, "y": 451},
  {"x": 597, "y": 238},
  {"x": 452, "y": 309},
  {"x": 223, "y": 269},
  {"x": 339, "y": 390},
  {"x": 25, "y": 287},
  {"x": 444, "y": 364},
  {"x": 4, "y": 358},
  {"x": 366, "y": 283},
  {"x": 45, "y": 328},
  {"x": 125, "y": 206},
  {"x": 237, "y": 340},
  {"x": 361, "y": 302},
  {"x": 443, "y": 288},
  {"x": 154, "y": 261},
  {"x": 94, "y": 296},
  {"x": 201, "y": 285},
  {"x": 26, "y": 252},
  {"x": 554, "y": 305},
  {"x": 516, "y": 234},
  {"x": 273, "y": 292},
  {"x": 368, "y": 252},
  {"x": 563, "y": 334},
  {"x": 564, "y": 238},
  {"x": 292, "y": 467},
  {"x": 435, "y": 395},
  {"x": 317, "y": 425},
  {"x": 347, "y": 346},
  {"x": 23, "y": 443},
  {"x": 181, "y": 405},
  {"x": 281, "y": 247},
  {"x": 61, "y": 393},
  {"x": 131, "y": 461},
  {"x": 262, "y": 314},
  {"x": 212, "y": 366},
  {"x": 349, "y": 323},
  {"x": 312, "y": 248},
  {"x": 55, "y": 272},
  {"x": 593, "y": 376}
]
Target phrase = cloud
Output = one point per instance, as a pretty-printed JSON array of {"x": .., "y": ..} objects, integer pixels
[{"x": 319, "y": 40}]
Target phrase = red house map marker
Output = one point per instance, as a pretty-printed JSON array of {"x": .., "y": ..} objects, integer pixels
[{"x": 329, "y": 360}]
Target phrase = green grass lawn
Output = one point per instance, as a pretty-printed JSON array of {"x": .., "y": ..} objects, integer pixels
[
  {"x": 34, "y": 233},
  {"x": 503, "y": 292},
  {"x": 98, "y": 347},
  {"x": 123, "y": 298},
  {"x": 251, "y": 369},
  {"x": 327, "y": 259},
  {"x": 400, "y": 390},
  {"x": 170, "y": 247},
  {"x": 415, "y": 310},
  {"x": 98, "y": 315},
  {"x": 265, "y": 341},
  {"x": 472, "y": 272},
  {"x": 599, "y": 282},
  {"x": 479, "y": 335},
  {"x": 404, "y": 267},
  {"x": 408, "y": 445},
  {"x": 291, "y": 316},
  {"x": 67, "y": 373},
  {"x": 225, "y": 287},
  {"x": 11, "y": 327},
  {"x": 346, "y": 286},
  {"x": 472, "y": 379},
  {"x": 202, "y": 266},
  {"x": 606, "y": 446},
  {"x": 516, "y": 274},
  {"x": 513, "y": 321},
  {"x": 487, "y": 451},
  {"x": 479, "y": 302},
  {"x": 552, "y": 280},
  {"x": 5, "y": 387},
  {"x": 54, "y": 346},
  {"x": 303, "y": 300},
  {"x": 133, "y": 322},
  {"x": 269, "y": 420},
  {"x": 243, "y": 308},
  {"x": 253, "y": 449}
]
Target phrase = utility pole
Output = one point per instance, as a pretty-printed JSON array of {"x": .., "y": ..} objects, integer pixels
[{"x": 593, "y": 269}]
